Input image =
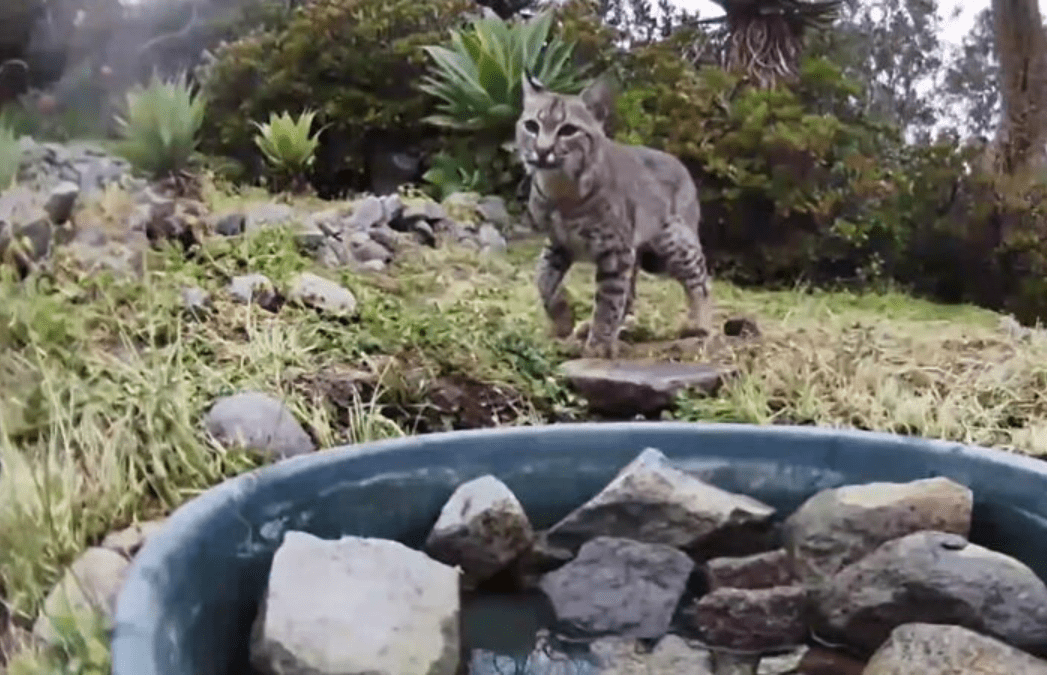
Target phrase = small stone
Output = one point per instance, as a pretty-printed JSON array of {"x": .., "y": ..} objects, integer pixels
[
  {"x": 492, "y": 209},
  {"x": 373, "y": 266},
  {"x": 258, "y": 422},
  {"x": 262, "y": 216},
  {"x": 389, "y": 238},
  {"x": 393, "y": 206},
  {"x": 624, "y": 389},
  {"x": 367, "y": 213},
  {"x": 357, "y": 605},
  {"x": 620, "y": 587},
  {"x": 311, "y": 290},
  {"x": 423, "y": 209},
  {"x": 673, "y": 655},
  {"x": 423, "y": 232},
  {"x": 932, "y": 649},
  {"x": 482, "y": 528},
  {"x": 650, "y": 500},
  {"x": 839, "y": 526},
  {"x": 90, "y": 586},
  {"x": 762, "y": 570},
  {"x": 752, "y": 619},
  {"x": 61, "y": 201},
  {"x": 37, "y": 236},
  {"x": 231, "y": 225},
  {"x": 741, "y": 327},
  {"x": 491, "y": 239},
  {"x": 257, "y": 288},
  {"x": 782, "y": 664},
  {"x": 924, "y": 577},
  {"x": 197, "y": 301},
  {"x": 821, "y": 661},
  {"x": 129, "y": 541},
  {"x": 364, "y": 248}
]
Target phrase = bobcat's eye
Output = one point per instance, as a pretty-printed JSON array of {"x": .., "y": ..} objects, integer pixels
[
  {"x": 567, "y": 130},
  {"x": 531, "y": 126}
]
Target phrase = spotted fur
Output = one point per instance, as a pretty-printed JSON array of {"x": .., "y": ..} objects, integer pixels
[{"x": 623, "y": 207}]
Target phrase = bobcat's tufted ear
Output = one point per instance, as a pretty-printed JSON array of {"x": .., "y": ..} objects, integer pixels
[
  {"x": 531, "y": 86},
  {"x": 599, "y": 98}
]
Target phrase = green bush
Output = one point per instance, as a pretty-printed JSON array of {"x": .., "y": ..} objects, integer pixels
[
  {"x": 161, "y": 127},
  {"x": 288, "y": 147},
  {"x": 357, "y": 62}
]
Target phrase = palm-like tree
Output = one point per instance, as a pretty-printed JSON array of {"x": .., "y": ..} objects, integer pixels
[{"x": 764, "y": 38}]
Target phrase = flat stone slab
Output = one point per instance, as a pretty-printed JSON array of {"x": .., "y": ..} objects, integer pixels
[{"x": 627, "y": 388}]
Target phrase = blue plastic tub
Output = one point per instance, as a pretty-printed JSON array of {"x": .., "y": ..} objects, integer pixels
[{"x": 193, "y": 591}]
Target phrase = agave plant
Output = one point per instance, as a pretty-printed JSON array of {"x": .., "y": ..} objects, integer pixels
[
  {"x": 288, "y": 146},
  {"x": 478, "y": 78},
  {"x": 161, "y": 129},
  {"x": 765, "y": 37}
]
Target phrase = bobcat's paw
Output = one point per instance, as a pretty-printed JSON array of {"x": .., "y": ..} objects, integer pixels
[
  {"x": 600, "y": 350},
  {"x": 562, "y": 321},
  {"x": 581, "y": 331},
  {"x": 695, "y": 330}
]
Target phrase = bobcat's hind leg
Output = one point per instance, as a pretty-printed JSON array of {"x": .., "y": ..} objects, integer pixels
[
  {"x": 553, "y": 265},
  {"x": 680, "y": 248}
]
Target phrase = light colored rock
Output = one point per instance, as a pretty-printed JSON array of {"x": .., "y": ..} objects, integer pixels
[
  {"x": 490, "y": 239},
  {"x": 355, "y": 606},
  {"x": 364, "y": 248},
  {"x": 257, "y": 288},
  {"x": 261, "y": 216},
  {"x": 933, "y": 649},
  {"x": 671, "y": 656},
  {"x": 130, "y": 540},
  {"x": 482, "y": 528},
  {"x": 837, "y": 527},
  {"x": 624, "y": 388},
  {"x": 311, "y": 290},
  {"x": 932, "y": 577},
  {"x": 259, "y": 422},
  {"x": 61, "y": 201},
  {"x": 652, "y": 501},
  {"x": 197, "y": 301},
  {"x": 90, "y": 586},
  {"x": 782, "y": 664},
  {"x": 492, "y": 209},
  {"x": 620, "y": 587},
  {"x": 367, "y": 213}
]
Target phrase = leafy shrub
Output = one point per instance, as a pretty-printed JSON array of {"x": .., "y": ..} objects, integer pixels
[
  {"x": 478, "y": 80},
  {"x": 161, "y": 129},
  {"x": 356, "y": 62},
  {"x": 288, "y": 146}
]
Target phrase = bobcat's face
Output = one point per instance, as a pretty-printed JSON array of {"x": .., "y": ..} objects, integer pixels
[{"x": 556, "y": 132}]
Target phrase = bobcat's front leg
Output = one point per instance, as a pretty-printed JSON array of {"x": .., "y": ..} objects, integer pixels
[
  {"x": 613, "y": 271},
  {"x": 553, "y": 264}
]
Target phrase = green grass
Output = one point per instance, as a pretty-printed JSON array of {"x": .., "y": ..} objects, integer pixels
[{"x": 106, "y": 380}]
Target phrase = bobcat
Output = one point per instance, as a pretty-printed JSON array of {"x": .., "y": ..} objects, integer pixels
[{"x": 622, "y": 207}]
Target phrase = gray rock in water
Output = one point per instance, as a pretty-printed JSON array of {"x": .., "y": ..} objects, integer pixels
[
  {"x": 257, "y": 288},
  {"x": 482, "y": 528},
  {"x": 783, "y": 664},
  {"x": 837, "y": 527},
  {"x": 619, "y": 587},
  {"x": 311, "y": 290},
  {"x": 673, "y": 655},
  {"x": 762, "y": 570},
  {"x": 356, "y": 605},
  {"x": 752, "y": 619},
  {"x": 932, "y": 649},
  {"x": 652, "y": 501},
  {"x": 367, "y": 213},
  {"x": 258, "y": 422},
  {"x": 61, "y": 201},
  {"x": 90, "y": 586},
  {"x": 932, "y": 577},
  {"x": 622, "y": 388}
]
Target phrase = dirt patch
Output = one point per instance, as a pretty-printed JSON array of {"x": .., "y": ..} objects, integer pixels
[{"x": 458, "y": 402}]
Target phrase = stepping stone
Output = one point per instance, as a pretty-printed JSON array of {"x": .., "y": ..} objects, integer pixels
[{"x": 624, "y": 388}]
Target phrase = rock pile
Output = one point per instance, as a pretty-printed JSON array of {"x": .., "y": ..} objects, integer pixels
[
  {"x": 637, "y": 575},
  {"x": 44, "y": 212}
]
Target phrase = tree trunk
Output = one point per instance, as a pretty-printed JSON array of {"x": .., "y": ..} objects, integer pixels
[{"x": 1021, "y": 47}]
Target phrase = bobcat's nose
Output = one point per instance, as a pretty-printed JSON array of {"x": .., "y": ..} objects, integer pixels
[{"x": 545, "y": 157}]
